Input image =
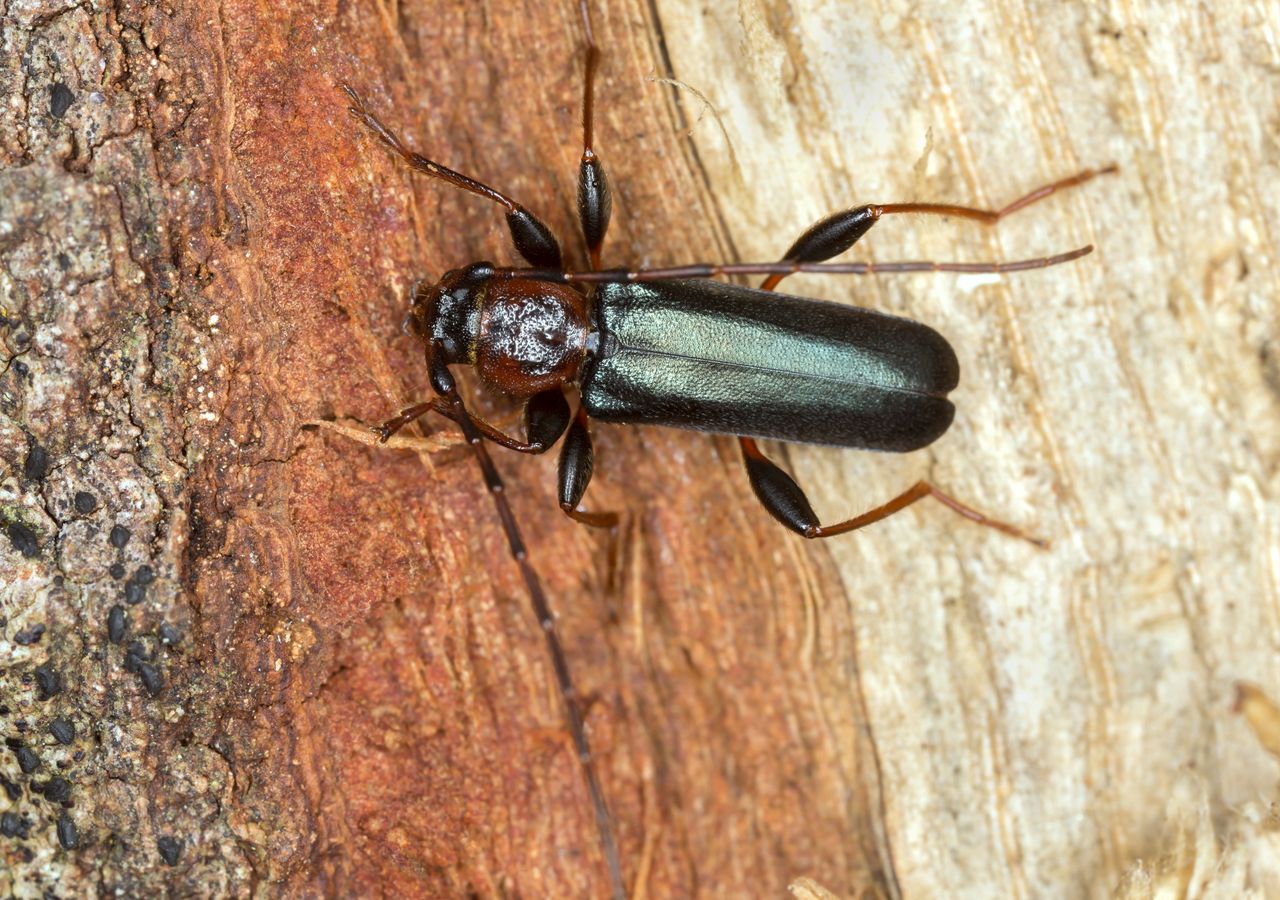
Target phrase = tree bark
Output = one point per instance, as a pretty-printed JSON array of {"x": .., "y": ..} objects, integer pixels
[{"x": 297, "y": 665}]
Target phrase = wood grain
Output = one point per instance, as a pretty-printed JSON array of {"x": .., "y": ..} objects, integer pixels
[{"x": 360, "y": 703}]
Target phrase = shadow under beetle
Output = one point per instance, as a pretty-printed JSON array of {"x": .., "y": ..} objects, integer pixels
[{"x": 667, "y": 346}]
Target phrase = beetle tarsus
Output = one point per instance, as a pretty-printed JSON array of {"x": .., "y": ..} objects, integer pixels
[
  {"x": 786, "y": 502},
  {"x": 602, "y": 520}
]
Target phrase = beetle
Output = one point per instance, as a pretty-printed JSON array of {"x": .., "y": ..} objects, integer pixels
[
  {"x": 666, "y": 346},
  {"x": 671, "y": 347}
]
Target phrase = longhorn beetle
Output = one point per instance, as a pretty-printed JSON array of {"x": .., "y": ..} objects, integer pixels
[{"x": 667, "y": 346}]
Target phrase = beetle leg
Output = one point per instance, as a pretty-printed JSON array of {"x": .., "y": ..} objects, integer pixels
[
  {"x": 533, "y": 240},
  {"x": 576, "y": 463},
  {"x": 992, "y": 216},
  {"x": 387, "y": 429},
  {"x": 595, "y": 203},
  {"x": 839, "y": 231},
  {"x": 442, "y": 383},
  {"x": 365, "y": 435},
  {"x": 546, "y": 416},
  {"x": 786, "y": 502}
]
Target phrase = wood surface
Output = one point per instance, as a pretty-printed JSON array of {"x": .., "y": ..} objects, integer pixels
[{"x": 201, "y": 255}]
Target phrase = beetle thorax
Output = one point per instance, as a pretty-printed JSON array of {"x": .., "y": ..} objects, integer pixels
[
  {"x": 532, "y": 336},
  {"x": 523, "y": 336}
]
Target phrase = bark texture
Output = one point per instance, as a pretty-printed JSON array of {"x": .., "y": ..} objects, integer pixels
[{"x": 295, "y": 665}]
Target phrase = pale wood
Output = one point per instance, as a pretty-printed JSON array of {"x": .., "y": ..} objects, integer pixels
[{"x": 1034, "y": 712}]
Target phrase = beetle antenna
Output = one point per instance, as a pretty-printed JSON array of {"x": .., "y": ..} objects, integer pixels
[
  {"x": 712, "y": 270},
  {"x": 559, "y": 661}
]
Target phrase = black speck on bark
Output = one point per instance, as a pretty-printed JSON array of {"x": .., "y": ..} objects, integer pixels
[
  {"x": 152, "y": 680},
  {"x": 23, "y": 539},
  {"x": 68, "y": 836},
  {"x": 28, "y": 762},
  {"x": 116, "y": 623},
  {"x": 36, "y": 466},
  {"x": 14, "y": 825},
  {"x": 57, "y": 789},
  {"x": 170, "y": 848},
  {"x": 60, "y": 99},
  {"x": 28, "y": 636},
  {"x": 48, "y": 681},
  {"x": 135, "y": 591},
  {"x": 63, "y": 730}
]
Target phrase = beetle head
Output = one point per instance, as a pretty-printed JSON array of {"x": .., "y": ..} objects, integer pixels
[{"x": 447, "y": 313}]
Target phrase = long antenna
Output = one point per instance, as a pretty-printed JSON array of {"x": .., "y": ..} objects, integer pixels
[
  {"x": 713, "y": 270},
  {"x": 542, "y": 610}
]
